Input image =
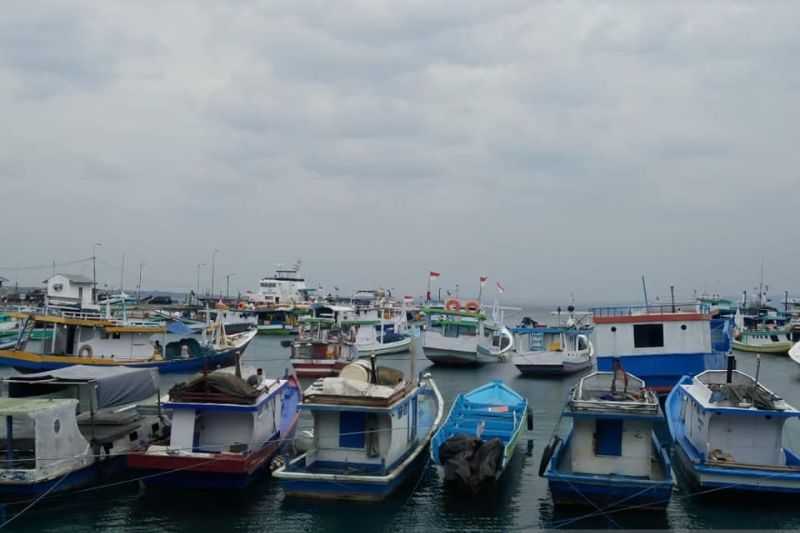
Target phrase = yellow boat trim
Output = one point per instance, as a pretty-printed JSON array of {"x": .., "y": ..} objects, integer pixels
[
  {"x": 52, "y": 319},
  {"x": 68, "y": 359},
  {"x": 135, "y": 329}
]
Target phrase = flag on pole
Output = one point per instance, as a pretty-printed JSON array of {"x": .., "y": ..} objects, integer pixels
[
  {"x": 435, "y": 275},
  {"x": 500, "y": 288},
  {"x": 484, "y": 279}
]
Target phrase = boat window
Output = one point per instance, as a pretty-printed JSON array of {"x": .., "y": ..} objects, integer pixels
[
  {"x": 352, "y": 428},
  {"x": 450, "y": 331},
  {"x": 608, "y": 437},
  {"x": 774, "y": 338},
  {"x": 648, "y": 335},
  {"x": 466, "y": 330}
]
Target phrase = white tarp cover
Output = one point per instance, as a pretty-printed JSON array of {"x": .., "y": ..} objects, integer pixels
[
  {"x": 116, "y": 385},
  {"x": 60, "y": 446},
  {"x": 350, "y": 388}
]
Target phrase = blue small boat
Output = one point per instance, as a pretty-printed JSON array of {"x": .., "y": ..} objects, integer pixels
[
  {"x": 728, "y": 431},
  {"x": 478, "y": 439},
  {"x": 612, "y": 458}
]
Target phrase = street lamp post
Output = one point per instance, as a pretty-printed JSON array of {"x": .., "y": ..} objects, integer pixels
[
  {"x": 199, "y": 266},
  {"x": 94, "y": 269},
  {"x": 228, "y": 285},
  {"x": 213, "y": 269}
]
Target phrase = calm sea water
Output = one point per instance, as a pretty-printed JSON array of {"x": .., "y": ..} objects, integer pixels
[{"x": 521, "y": 502}]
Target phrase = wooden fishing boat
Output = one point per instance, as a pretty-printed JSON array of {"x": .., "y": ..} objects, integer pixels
[
  {"x": 763, "y": 341},
  {"x": 72, "y": 427},
  {"x": 88, "y": 338},
  {"x": 372, "y": 426},
  {"x": 477, "y": 440},
  {"x": 612, "y": 458},
  {"x": 463, "y": 336},
  {"x": 551, "y": 351},
  {"x": 728, "y": 430},
  {"x": 225, "y": 431}
]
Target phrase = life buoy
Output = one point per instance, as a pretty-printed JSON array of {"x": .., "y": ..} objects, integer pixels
[
  {"x": 547, "y": 454},
  {"x": 452, "y": 305},
  {"x": 472, "y": 305},
  {"x": 85, "y": 351},
  {"x": 242, "y": 305}
]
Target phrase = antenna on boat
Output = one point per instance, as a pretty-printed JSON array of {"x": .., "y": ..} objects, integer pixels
[
  {"x": 672, "y": 296},
  {"x": 644, "y": 290}
]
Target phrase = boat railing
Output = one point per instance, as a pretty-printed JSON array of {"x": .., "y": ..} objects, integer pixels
[
  {"x": 597, "y": 392},
  {"x": 650, "y": 309},
  {"x": 85, "y": 314}
]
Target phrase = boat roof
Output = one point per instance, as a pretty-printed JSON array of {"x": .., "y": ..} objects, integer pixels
[
  {"x": 743, "y": 395},
  {"x": 613, "y": 393},
  {"x": 28, "y": 406},
  {"x": 114, "y": 385},
  {"x": 75, "y": 278},
  {"x": 635, "y": 314},
  {"x": 495, "y": 393}
]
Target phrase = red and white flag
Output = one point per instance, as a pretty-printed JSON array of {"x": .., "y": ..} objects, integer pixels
[
  {"x": 484, "y": 279},
  {"x": 500, "y": 288},
  {"x": 435, "y": 275}
]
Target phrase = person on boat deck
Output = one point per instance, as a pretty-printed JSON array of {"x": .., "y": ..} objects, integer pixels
[
  {"x": 157, "y": 351},
  {"x": 184, "y": 351}
]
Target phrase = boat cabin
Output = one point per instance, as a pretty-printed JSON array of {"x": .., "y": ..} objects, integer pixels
[
  {"x": 613, "y": 418},
  {"x": 220, "y": 412},
  {"x": 549, "y": 339},
  {"x": 660, "y": 344},
  {"x": 731, "y": 419},
  {"x": 365, "y": 422}
]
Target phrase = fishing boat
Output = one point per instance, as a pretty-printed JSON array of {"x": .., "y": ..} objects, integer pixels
[
  {"x": 457, "y": 335},
  {"x": 660, "y": 343},
  {"x": 551, "y": 351},
  {"x": 372, "y": 427},
  {"x": 225, "y": 431},
  {"x": 321, "y": 350},
  {"x": 763, "y": 332},
  {"x": 729, "y": 433},
  {"x": 611, "y": 458},
  {"x": 477, "y": 440},
  {"x": 68, "y": 428},
  {"x": 89, "y": 338},
  {"x": 282, "y": 321}
]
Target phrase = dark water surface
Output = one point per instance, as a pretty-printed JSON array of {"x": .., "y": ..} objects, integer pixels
[{"x": 521, "y": 501}]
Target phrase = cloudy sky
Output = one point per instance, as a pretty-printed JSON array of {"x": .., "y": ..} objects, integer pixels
[{"x": 560, "y": 147}]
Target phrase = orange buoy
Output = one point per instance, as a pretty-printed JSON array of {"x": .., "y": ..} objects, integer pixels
[
  {"x": 472, "y": 305},
  {"x": 452, "y": 305}
]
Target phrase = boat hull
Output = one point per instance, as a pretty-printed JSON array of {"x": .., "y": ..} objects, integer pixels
[
  {"x": 361, "y": 490},
  {"x": 661, "y": 372},
  {"x": 77, "y": 479},
  {"x": 386, "y": 348},
  {"x": 776, "y": 347},
  {"x": 608, "y": 492},
  {"x": 457, "y": 358}
]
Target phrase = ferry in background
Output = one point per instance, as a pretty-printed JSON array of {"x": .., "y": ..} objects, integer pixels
[
  {"x": 286, "y": 286},
  {"x": 660, "y": 343}
]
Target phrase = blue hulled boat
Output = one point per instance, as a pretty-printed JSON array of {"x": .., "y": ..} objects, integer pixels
[
  {"x": 612, "y": 458},
  {"x": 372, "y": 426},
  {"x": 728, "y": 430},
  {"x": 660, "y": 344},
  {"x": 479, "y": 436}
]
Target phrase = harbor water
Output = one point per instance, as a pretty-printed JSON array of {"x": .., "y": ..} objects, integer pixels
[{"x": 521, "y": 500}]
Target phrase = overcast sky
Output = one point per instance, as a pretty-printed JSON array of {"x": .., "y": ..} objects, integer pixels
[{"x": 559, "y": 147}]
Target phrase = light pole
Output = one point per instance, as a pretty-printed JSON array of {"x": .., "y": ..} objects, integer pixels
[
  {"x": 94, "y": 268},
  {"x": 228, "y": 285},
  {"x": 213, "y": 269},
  {"x": 139, "y": 286},
  {"x": 199, "y": 266}
]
